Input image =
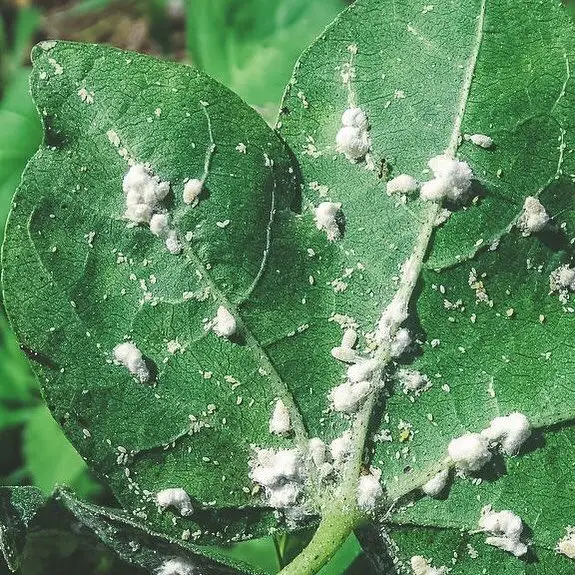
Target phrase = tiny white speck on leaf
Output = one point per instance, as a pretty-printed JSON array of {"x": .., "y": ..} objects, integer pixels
[
  {"x": 177, "y": 498},
  {"x": 533, "y": 218},
  {"x": 480, "y": 140},
  {"x": 280, "y": 422},
  {"x": 241, "y": 148},
  {"x": 128, "y": 355}
]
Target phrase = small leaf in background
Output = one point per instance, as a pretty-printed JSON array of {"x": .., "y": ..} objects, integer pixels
[{"x": 251, "y": 45}]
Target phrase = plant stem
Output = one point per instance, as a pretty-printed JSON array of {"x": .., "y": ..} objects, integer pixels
[{"x": 334, "y": 529}]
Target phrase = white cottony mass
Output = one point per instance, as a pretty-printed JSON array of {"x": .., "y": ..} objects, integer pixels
[
  {"x": 452, "y": 179},
  {"x": 128, "y": 355}
]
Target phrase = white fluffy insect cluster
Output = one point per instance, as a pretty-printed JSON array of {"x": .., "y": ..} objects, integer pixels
[
  {"x": 562, "y": 281},
  {"x": 566, "y": 546},
  {"x": 326, "y": 219},
  {"x": 280, "y": 473},
  {"x": 435, "y": 486},
  {"x": 320, "y": 455},
  {"x": 349, "y": 396},
  {"x": 421, "y": 566},
  {"x": 160, "y": 227},
  {"x": 341, "y": 448},
  {"x": 192, "y": 190},
  {"x": 369, "y": 489},
  {"x": 128, "y": 355},
  {"x": 224, "y": 324},
  {"x": 511, "y": 431},
  {"x": 533, "y": 218},
  {"x": 352, "y": 139},
  {"x": 469, "y": 452},
  {"x": 177, "y": 498},
  {"x": 505, "y": 528},
  {"x": 413, "y": 381},
  {"x": 452, "y": 180},
  {"x": 144, "y": 191},
  {"x": 402, "y": 184},
  {"x": 400, "y": 342},
  {"x": 480, "y": 140},
  {"x": 280, "y": 421},
  {"x": 177, "y": 566}
]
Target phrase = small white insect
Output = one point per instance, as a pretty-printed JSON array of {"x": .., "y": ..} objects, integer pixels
[
  {"x": 436, "y": 484},
  {"x": 280, "y": 422},
  {"x": 177, "y": 566},
  {"x": 511, "y": 431},
  {"x": 224, "y": 324},
  {"x": 369, "y": 490},
  {"x": 470, "y": 452},
  {"x": 362, "y": 370},
  {"x": 562, "y": 280},
  {"x": 506, "y": 529},
  {"x": 352, "y": 139},
  {"x": 192, "y": 189},
  {"x": 326, "y": 219},
  {"x": 177, "y": 498},
  {"x": 402, "y": 184},
  {"x": 413, "y": 381},
  {"x": 566, "y": 546},
  {"x": 480, "y": 140},
  {"x": 159, "y": 225},
  {"x": 173, "y": 244},
  {"x": 143, "y": 191},
  {"x": 349, "y": 338},
  {"x": 317, "y": 450},
  {"x": 341, "y": 448},
  {"x": 400, "y": 342},
  {"x": 128, "y": 355},
  {"x": 345, "y": 354},
  {"x": 348, "y": 396},
  {"x": 533, "y": 218},
  {"x": 421, "y": 566},
  {"x": 452, "y": 179}
]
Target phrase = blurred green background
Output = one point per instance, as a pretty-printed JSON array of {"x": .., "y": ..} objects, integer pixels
[{"x": 248, "y": 45}]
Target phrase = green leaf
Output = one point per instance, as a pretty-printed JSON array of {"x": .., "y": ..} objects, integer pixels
[
  {"x": 18, "y": 506},
  {"x": 251, "y": 46},
  {"x": 86, "y": 300}
]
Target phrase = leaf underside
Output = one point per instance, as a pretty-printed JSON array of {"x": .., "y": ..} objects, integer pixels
[{"x": 497, "y": 67}]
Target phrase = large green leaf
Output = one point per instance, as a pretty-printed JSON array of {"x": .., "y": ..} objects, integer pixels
[{"x": 424, "y": 77}]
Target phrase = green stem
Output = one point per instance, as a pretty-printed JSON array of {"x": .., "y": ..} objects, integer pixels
[{"x": 334, "y": 529}]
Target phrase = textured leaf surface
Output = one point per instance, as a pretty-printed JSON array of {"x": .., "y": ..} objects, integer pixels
[
  {"x": 409, "y": 67},
  {"x": 94, "y": 281}
]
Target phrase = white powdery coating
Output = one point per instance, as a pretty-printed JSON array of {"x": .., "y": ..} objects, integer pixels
[
  {"x": 341, "y": 448},
  {"x": 413, "y": 381},
  {"x": 352, "y": 139},
  {"x": 325, "y": 219},
  {"x": 280, "y": 421},
  {"x": 362, "y": 370},
  {"x": 436, "y": 484},
  {"x": 317, "y": 450},
  {"x": 505, "y": 528},
  {"x": 176, "y": 566},
  {"x": 470, "y": 452},
  {"x": 192, "y": 190},
  {"x": 224, "y": 324},
  {"x": 128, "y": 355},
  {"x": 369, "y": 490},
  {"x": 566, "y": 546},
  {"x": 144, "y": 192},
  {"x": 480, "y": 140},
  {"x": 402, "y": 184},
  {"x": 281, "y": 473},
  {"x": 348, "y": 396},
  {"x": 159, "y": 225},
  {"x": 400, "y": 342},
  {"x": 420, "y": 566},
  {"x": 175, "y": 497},
  {"x": 533, "y": 218},
  {"x": 452, "y": 179},
  {"x": 511, "y": 431}
]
